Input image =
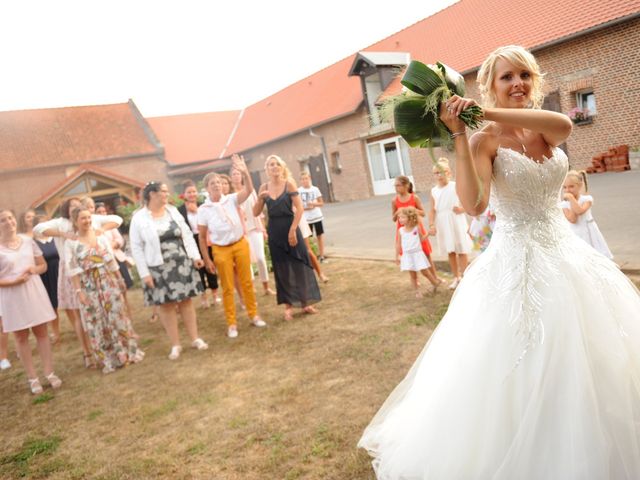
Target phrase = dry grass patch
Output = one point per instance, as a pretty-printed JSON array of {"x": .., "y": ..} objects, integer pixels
[{"x": 286, "y": 402}]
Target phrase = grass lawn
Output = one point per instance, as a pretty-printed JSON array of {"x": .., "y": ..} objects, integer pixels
[{"x": 286, "y": 402}]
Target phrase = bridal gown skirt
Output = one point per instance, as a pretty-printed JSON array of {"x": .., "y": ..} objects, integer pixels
[{"x": 534, "y": 373}]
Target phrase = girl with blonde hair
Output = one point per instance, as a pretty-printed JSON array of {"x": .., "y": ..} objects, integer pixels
[
  {"x": 448, "y": 222},
  {"x": 534, "y": 371},
  {"x": 409, "y": 253},
  {"x": 577, "y": 209}
]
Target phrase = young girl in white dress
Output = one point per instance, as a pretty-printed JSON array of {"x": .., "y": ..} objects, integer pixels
[
  {"x": 448, "y": 222},
  {"x": 409, "y": 253},
  {"x": 577, "y": 208}
]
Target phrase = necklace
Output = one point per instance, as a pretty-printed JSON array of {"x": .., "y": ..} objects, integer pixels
[{"x": 14, "y": 243}]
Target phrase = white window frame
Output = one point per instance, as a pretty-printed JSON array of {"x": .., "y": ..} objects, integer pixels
[
  {"x": 400, "y": 151},
  {"x": 580, "y": 100}
]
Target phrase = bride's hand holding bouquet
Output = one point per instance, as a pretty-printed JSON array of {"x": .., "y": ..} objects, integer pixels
[{"x": 450, "y": 111}]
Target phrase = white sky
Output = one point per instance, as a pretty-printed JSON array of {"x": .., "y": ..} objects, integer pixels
[{"x": 181, "y": 56}]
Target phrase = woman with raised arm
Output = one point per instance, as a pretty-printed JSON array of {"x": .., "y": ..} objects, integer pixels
[
  {"x": 220, "y": 224},
  {"x": 255, "y": 231},
  {"x": 296, "y": 283},
  {"x": 534, "y": 372}
]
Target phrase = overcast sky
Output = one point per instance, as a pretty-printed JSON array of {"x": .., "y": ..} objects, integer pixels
[{"x": 181, "y": 56}]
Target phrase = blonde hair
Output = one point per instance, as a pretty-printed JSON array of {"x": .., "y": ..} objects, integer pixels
[
  {"x": 442, "y": 165},
  {"x": 519, "y": 57},
  {"x": 87, "y": 201},
  {"x": 579, "y": 176},
  {"x": 412, "y": 215},
  {"x": 208, "y": 177},
  {"x": 286, "y": 173}
]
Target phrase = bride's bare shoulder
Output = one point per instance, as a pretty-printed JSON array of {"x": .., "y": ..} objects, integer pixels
[{"x": 485, "y": 140}]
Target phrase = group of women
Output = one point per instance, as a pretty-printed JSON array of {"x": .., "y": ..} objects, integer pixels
[
  {"x": 77, "y": 272},
  {"x": 75, "y": 263}
]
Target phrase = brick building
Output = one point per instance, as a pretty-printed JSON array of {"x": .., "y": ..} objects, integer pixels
[
  {"x": 327, "y": 123},
  {"x": 50, "y": 154},
  {"x": 589, "y": 50}
]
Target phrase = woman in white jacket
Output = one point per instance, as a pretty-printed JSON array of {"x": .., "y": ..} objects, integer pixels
[{"x": 165, "y": 254}]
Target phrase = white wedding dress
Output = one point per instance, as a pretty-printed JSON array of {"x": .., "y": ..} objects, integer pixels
[{"x": 534, "y": 372}]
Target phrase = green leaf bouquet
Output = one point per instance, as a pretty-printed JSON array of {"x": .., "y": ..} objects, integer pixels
[{"x": 416, "y": 110}]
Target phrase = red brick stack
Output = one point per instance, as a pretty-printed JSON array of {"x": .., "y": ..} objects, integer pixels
[{"x": 615, "y": 160}]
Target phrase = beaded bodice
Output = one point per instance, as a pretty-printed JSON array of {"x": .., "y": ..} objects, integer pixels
[
  {"x": 531, "y": 236},
  {"x": 525, "y": 193}
]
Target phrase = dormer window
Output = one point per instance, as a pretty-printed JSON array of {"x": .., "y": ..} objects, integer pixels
[{"x": 376, "y": 71}]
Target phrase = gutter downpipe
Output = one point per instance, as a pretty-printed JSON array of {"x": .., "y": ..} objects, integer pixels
[{"x": 325, "y": 163}]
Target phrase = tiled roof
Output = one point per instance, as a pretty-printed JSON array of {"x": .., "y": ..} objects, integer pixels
[
  {"x": 195, "y": 137},
  {"x": 464, "y": 33},
  {"x": 327, "y": 94},
  {"x": 461, "y": 35},
  {"x": 203, "y": 167},
  {"x": 71, "y": 135}
]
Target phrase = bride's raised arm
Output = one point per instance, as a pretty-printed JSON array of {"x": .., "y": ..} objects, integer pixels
[
  {"x": 553, "y": 126},
  {"x": 474, "y": 157},
  {"x": 473, "y": 170}
]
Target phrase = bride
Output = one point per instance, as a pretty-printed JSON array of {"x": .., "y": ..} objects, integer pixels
[{"x": 534, "y": 372}]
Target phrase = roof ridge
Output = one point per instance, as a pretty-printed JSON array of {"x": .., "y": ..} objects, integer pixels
[
  {"x": 232, "y": 134},
  {"x": 65, "y": 107},
  {"x": 146, "y": 128},
  {"x": 192, "y": 114}
]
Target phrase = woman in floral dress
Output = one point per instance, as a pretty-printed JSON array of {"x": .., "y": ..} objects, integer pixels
[{"x": 97, "y": 281}]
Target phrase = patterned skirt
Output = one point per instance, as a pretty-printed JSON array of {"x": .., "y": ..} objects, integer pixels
[{"x": 176, "y": 279}]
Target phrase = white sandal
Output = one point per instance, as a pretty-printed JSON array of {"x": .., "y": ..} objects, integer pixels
[
  {"x": 176, "y": 350},
  {"x": 34, "y": 385},
  {"x": 54, "y": 380},
  {"x": 200, "y": 344},
  {"x": 258, "y": 322}
]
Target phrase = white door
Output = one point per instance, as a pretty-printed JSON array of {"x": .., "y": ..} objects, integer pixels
[{"x": 388, "y": 159}]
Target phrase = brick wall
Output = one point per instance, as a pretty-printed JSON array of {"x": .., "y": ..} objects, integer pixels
[
  {"x": 342, "y": 136},
  {"x": 21, "y": 189},
  {"x": 608, "y": 61}
]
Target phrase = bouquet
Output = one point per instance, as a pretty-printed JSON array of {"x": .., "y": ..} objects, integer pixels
[{"x": 416, "y": 111}]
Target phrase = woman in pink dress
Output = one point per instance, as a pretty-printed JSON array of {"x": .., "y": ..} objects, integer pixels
[{"x": 24, "y": 300}]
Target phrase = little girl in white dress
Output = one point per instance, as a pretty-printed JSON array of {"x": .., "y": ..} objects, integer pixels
[
  {"x": 409, "y": 253},
  {"x": 448, "y": 222},
  {"x": 577, "y": 209}
]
